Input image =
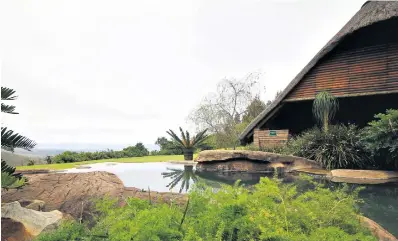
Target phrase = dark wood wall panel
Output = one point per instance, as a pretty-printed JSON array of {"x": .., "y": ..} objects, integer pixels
[
  {"x": 366, "y": 70},
  {"x": 364, "y": 63}
]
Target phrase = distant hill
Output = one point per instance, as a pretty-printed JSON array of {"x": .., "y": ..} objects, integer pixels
[
  {"x": 14, "y": 159},
  {"x": 42, "y": 152}
]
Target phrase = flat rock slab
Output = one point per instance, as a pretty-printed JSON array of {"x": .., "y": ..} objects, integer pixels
[{"x": 364, "y": 174}]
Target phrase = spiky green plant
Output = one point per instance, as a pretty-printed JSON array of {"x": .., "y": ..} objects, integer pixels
[
  {"x": 11, "y": 140},
  {"x": 324, "y": 108},
  {"x": 186, "y": 142},
  {"x": 10, "y": 179}
]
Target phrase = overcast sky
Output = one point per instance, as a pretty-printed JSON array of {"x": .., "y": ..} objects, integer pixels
[{"x": 119, "y": 72}]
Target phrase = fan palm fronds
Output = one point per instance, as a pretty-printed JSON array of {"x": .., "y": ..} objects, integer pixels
[
  {"x": 7, "y": 94},
  {"x": 11, "y": 140},
  {"x": 9, "y": 109},
  {"x": 186, "y": 141}
]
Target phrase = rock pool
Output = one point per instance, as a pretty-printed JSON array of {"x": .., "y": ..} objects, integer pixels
[{"x": 380, "y": 200}]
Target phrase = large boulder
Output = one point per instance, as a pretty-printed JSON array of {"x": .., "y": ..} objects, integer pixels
[
  {"x": 250, "y": 161},
  {"x": 29, "y": 222},
  {"x": 12, "y": 230},
  {"x": 68, "y": 192},
  {"x": 73, "y": 193}
]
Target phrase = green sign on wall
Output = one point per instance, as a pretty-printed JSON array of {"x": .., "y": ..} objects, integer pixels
[{"x": 272, "y": 133}]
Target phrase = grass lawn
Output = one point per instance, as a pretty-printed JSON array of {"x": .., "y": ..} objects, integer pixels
[{"x": 60, "y": 166}]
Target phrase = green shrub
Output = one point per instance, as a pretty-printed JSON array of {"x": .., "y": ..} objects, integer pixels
[
  {"x": 270, "y": 211},
  {"x": 31, "y": 162},
  {"x": 132, "y": 151},
  {"x": 381, "y": 138},
  {"x": 340, "y": 147},
  {"x": 71, "y": 231},
  {"x": 49, "y": 160}
]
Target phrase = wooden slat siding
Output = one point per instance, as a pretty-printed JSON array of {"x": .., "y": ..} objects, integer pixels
[
  {"x": 261, "y": 138},
  {"x": 367, "y": 70}
]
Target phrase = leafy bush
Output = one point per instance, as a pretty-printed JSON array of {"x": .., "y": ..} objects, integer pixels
[
  {"x": 340, "y": 147},
  {"x": 381, "y": 138},
  {"x": 31, "y": 162},
  {"x": 167, "y": 147},
  {"x": 49, "y": 160},
  {"x": 138, "y": 150},
  {"x": 132, "y": 151},
  {"x": 271, "y": 211},
  {"x": 67, "y": 231}
]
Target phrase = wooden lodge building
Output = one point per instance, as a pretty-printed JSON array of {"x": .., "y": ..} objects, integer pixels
[{"x": 359, "y": 66}]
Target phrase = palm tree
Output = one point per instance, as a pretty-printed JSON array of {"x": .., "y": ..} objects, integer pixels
[
  {"x": 11, "y": 140},
  {"x": 324, "y": 108},
  {"x": 178, "y": 175},
  {"x": 188, "y": 144}
]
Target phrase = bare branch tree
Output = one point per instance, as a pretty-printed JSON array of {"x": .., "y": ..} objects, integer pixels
[{"x": 221, "y": 111}]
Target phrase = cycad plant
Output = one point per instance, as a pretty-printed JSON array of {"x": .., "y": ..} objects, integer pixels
[
  {"x": 187, "y": 143},
  {"x": 181, "y": 176},
  {"x": 324, "y": 108},
  {"x": 11, "y": 140}
]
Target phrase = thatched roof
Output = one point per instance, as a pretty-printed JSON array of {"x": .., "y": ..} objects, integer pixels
[{"x": 370, "y": 13}]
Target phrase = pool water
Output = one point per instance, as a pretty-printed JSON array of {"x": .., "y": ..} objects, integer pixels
[{"x": 380, "y": 200}]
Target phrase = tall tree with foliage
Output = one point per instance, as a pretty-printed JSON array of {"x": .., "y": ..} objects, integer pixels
[
  {"x": 168, "y": 147},
  {"x": 324, "y": 108},
  {"x": 187, "y": 143},
  {"x": 255, "y": 107},
  {"x": 381, "y": 139},
  {"x": 11, "y": 140}
]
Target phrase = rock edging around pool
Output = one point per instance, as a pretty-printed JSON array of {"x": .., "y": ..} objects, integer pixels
[
  {"x": 225, "y": 161},
  {"x": 250, "y": 161}
]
